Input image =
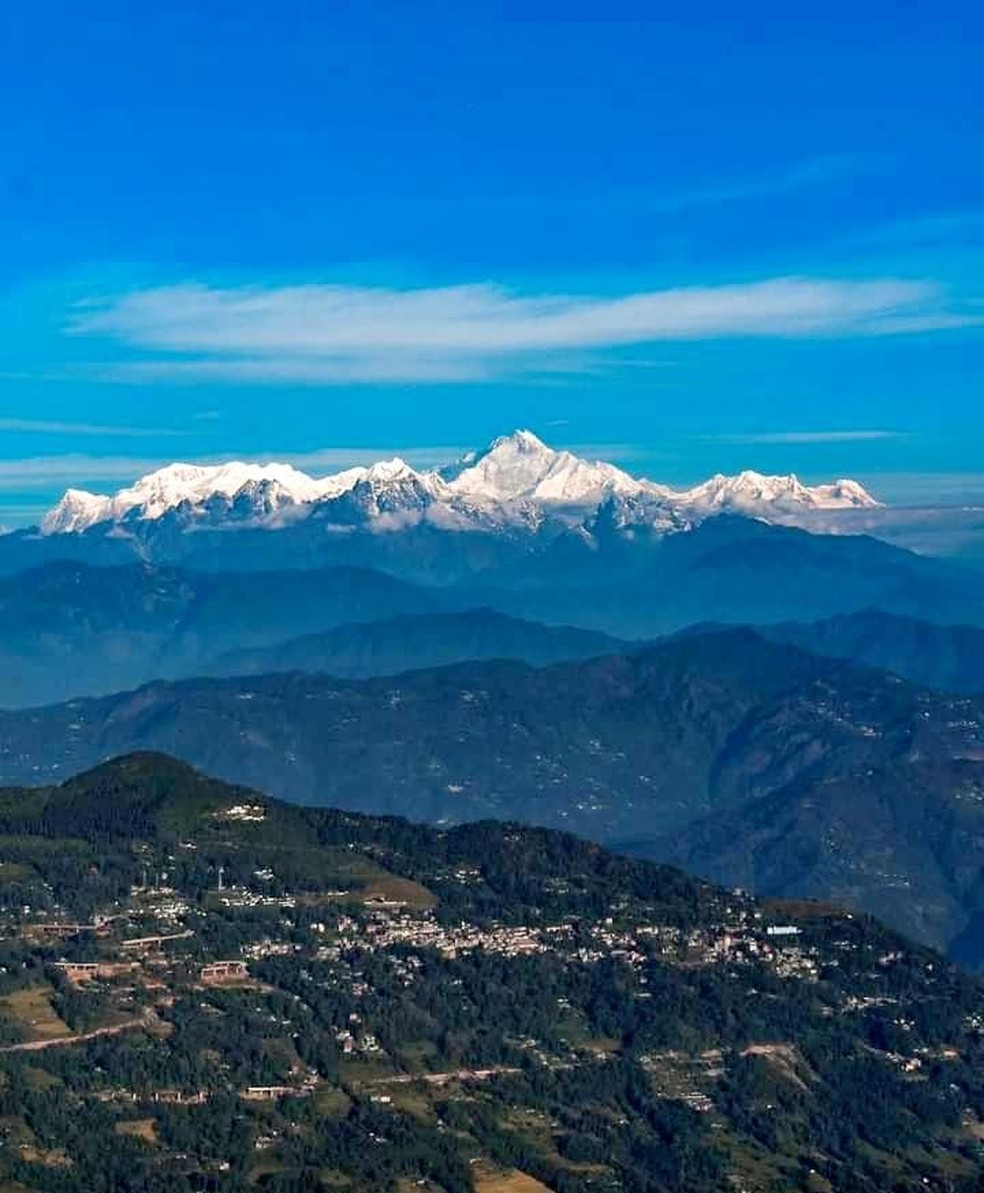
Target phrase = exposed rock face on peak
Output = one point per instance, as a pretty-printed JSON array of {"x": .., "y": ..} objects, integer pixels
[{"x": 517, "y": 483}]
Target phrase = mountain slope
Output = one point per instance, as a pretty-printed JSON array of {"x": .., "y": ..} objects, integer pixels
[
  {"x": 489, "y": 1007},
  {"x": 68, "y": 629},
  {"x": 416, "y": 641},
  {"x": 734, "y": 570},
  {"x": 655, "y": 738},
  {"x": 659, "y": 736},
  {"x": 949, "y": 657},
  {"x": 616, "y": 748},
  {"x": 903, "y": 842}
]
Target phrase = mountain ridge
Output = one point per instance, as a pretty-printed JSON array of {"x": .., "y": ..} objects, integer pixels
[
  {"x": 515, "y": 480},
  {"x": 413, "y": 642},
  {"x": 615, "y": 748},
  {"x": 74, "y": 627},
  {"x": 947, "y": 657}
]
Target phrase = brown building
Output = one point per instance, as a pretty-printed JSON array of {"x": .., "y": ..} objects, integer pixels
[
  {"x": 90, "y": 971},
  {"x": 224, "y": 971}
]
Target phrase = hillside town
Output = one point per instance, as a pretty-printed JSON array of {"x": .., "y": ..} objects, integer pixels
[{"x": 254, "y": 973}]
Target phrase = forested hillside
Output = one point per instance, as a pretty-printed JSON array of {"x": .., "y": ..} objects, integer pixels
[{"x": 204, "y": 988}]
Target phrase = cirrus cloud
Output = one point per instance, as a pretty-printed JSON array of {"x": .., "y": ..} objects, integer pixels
[
  {"x": 33, "y": 426},
  {"x": 809, "y": 437},
  {"x": 350, "y": 334}
]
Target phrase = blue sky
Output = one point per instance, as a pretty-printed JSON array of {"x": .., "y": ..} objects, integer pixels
[{"x": 731, "y": 236}]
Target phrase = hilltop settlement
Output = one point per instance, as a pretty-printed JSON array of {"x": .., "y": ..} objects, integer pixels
[{"x": 204, "y": 989}]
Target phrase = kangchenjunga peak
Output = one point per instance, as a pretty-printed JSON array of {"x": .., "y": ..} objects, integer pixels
[{"x": 494, "y": 488}]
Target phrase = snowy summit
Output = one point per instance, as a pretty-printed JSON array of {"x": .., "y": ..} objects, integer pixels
[{"x": 517, "y": 481}]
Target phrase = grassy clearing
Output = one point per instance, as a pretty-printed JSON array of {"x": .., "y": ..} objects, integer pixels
[
  {"x": 364, "y": 878},
  {"x": 15, "y": 872},
  {"x": 400, "y": 890},
  {"x": 331, "y": 1178},
  {"x": 139, "y": 1128},
  {"x": 359, "y": 1073},
  {"x": 510, "y": 1180},
  {"x": 602, "y": 1046},
  {"x": 48, "y": 1157},
  {"x": 266, "y": 1168},
  {"x": 31, "y": 1011},
  {"x": 378, "y": 885},
  {"x": 317, "y": 875},
  {"x": 415, "y": 1102},
  {"x": 39, "y": 1079},
  {"x": 14, "y": 1130},
  {"x": 331, "y": 1102},
  {"x": 539, "y": 1131},
  {"x": 416, "y": 1055}
]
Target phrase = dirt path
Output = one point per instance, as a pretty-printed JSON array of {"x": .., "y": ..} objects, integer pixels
[
  {"x": 61, "y": 1041},
  {"x": 444, "y": 1078}
]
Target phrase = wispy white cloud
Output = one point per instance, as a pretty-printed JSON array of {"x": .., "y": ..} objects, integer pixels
[
  {"x": 349, "y": 334},
  {"x": 807, "y": 437},
  {"x": 366, "y": 368},
  {"x": 46, "y": 427},
  {"x": 47, "y": 473},
  {"x": 71, "y": 468}
]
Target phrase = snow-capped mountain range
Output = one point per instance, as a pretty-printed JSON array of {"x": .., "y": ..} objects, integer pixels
[{"x": 517, "y": 482}]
